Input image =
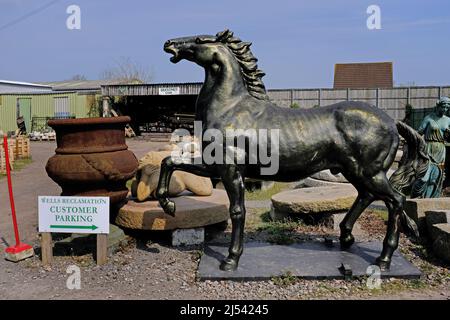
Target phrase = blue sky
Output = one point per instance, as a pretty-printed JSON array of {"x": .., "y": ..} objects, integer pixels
[{"x": 297, "y": 42}]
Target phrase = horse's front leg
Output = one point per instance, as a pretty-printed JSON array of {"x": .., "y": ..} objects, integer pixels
[
  {"x": 233, "y": 182},
  {"x": 168, "y": 166}
]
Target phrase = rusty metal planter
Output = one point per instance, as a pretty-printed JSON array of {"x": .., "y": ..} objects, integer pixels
[{"x": 92, "y": 158}]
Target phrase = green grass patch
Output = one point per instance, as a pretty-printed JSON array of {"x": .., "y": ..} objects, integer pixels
[
  {"x": 19, "y": 164},
  {"x": 280, "y": 232},
  {"x": 256, "y": 217},
  {"x": 268, "y": 193},
  {"x": 284, "y": 280},
  {"x": 397, "y": 286}
]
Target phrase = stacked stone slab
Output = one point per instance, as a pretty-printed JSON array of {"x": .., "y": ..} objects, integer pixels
[
  {"x": 438, "y": 227},
  {"x": 416, "y": 208}
]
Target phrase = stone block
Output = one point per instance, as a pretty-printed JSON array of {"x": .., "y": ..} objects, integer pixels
[
  {"x": 441, "y": 244},
  {"x": 18, "y": 256},
  {"x": 187, "y": 237},
  {"x": 116, "y": 239},
  {"x": 278, "y": 215},
  {"x": 78, "y": 243},
  {"x": 416, "y": 208},
  {"x": 334, "y": 220},
  {"x": 434, "y": 217}
]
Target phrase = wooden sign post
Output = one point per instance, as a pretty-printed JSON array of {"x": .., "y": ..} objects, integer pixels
[{"x": 73, "y": 215}]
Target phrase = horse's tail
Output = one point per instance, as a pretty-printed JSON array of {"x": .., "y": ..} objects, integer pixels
[{"x": 413, "y": 165}]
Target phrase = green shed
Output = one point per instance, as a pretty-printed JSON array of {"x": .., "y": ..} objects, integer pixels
[{"x": 37, "y": 107}]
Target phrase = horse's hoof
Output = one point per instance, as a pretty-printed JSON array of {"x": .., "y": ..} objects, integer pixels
[
  {"x": 346, "y": 241},
  {"x": 384, "y": 264},
  {"x": 169, "y": 208},
  {"x": 228, "y": 265}
]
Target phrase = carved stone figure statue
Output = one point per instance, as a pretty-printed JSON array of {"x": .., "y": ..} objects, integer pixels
[
  {"x": 144, "y": 184},
  {"x": 435, "y": 128},
  {"x": 353, "y": 138}
]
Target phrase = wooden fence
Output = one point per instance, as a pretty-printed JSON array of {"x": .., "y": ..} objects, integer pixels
[{"x": 393, "y": 100}]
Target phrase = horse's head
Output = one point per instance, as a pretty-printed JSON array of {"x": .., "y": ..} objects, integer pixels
[
  {"x": 201, "y": 49},
  {"x": 219, "y": 51}
]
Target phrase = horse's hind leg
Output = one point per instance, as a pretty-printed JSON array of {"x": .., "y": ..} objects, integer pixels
[
  {"x": 390, "y": 243},
  {"x": 363, "y": 200},
  {"x": 233, "y": 182},
  {"x": 380, "y": 187}
]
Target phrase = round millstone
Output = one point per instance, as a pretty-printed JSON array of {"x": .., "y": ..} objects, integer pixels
[
  {"x": 315, "y": 200},
  {"x": 191, "y": 212},
  {"x": 312, "y": 183}
]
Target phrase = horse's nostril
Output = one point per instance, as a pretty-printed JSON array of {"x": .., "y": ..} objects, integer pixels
[{"x": 168, "y": 43}]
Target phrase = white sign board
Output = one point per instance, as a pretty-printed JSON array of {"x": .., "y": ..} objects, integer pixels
[
  {"x": 169, "y": 91},
  {"x": 73, "y": 214}
]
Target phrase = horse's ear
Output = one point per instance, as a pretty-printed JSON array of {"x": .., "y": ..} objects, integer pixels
[{"x": 224, "y": 35}]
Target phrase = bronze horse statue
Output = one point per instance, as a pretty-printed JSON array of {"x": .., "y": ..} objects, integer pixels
[{"x": 353, "y": 138}]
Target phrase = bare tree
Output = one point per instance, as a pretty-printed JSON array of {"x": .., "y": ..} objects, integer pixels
[
  {"x": 126, "y": 70},
  {"x": 78, "y": 77}
]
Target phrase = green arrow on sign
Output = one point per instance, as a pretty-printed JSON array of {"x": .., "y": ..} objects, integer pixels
[{"x": 73, "y": 227}]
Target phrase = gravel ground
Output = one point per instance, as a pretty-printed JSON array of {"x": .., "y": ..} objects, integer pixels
[{"x": 148, "y": 268}]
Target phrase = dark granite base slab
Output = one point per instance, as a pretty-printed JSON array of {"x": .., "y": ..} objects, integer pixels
[{"x": 310, "y": 260}]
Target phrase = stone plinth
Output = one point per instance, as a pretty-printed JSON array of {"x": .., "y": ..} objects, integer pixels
[
  {"x": 308, "y": 260},
  {"x": 315, "y": 201},
  {"x": 192, "y": 212}
]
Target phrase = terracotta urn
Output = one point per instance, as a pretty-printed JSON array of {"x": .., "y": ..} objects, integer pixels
[{"x": 92, "y": 158}]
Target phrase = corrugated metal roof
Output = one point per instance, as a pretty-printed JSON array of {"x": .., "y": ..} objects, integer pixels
[
  {"x": 80, "y": 84},
  {"x": 36, "y": 93},
  {"x": 150, "y": 89},
  {"x": 28, "y": 84}
]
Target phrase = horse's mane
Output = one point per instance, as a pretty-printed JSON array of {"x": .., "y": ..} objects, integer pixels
[{"x": 250, "y": 72}]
